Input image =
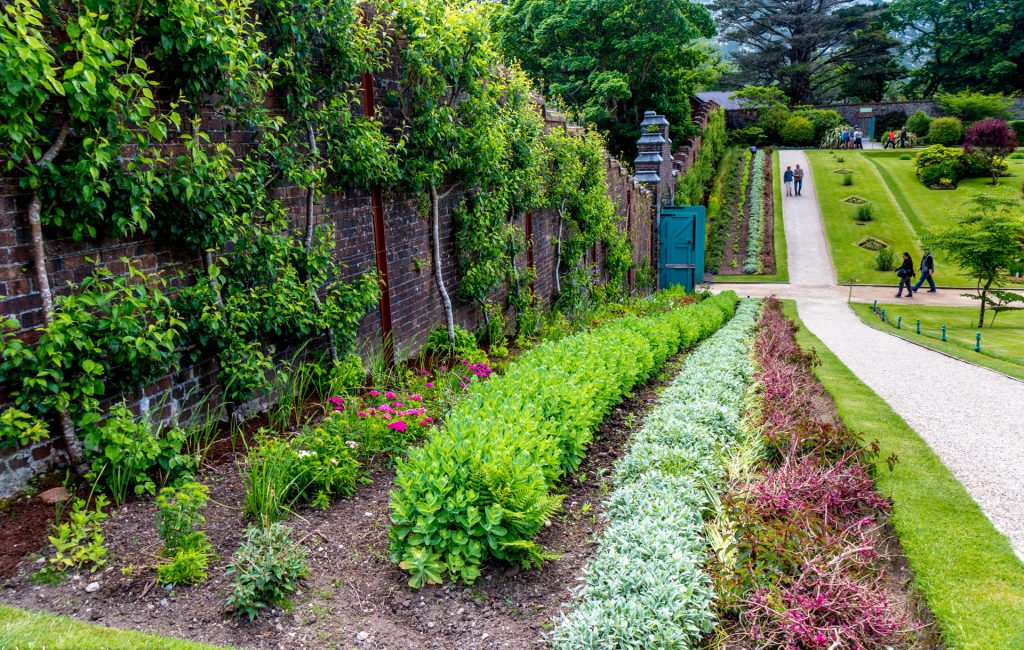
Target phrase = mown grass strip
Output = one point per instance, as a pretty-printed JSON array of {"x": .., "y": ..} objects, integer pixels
[
  {"x": 25, "y": 630},
  {"x": 963, "y": 566},
  {"x": 646, "y": 587}
]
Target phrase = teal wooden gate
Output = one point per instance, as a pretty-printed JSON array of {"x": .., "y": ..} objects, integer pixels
[{"x": 682, "y": 246}]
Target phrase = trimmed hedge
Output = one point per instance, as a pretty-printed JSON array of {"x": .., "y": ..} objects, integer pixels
[
  {"x": 483, "y": 485},
  {"x": 646, "y": 587}
]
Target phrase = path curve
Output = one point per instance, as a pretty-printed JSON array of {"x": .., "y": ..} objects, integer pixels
[{"x": 964, "y": 412}]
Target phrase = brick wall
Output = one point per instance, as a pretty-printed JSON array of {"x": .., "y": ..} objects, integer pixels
[{"x": 415, "y": 303}]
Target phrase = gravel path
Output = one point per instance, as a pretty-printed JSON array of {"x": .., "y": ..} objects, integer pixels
[{"x": 962, "y": 411}]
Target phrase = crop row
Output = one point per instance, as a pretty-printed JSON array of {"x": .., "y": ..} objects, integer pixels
[
  {"x": 646, "y": 586},
  {"x": 755, "y": 225},
  {"x": 483, "y": 485}
]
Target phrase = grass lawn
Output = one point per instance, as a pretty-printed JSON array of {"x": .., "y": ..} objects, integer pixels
[
  {"x": 1002, "y": 346},
  {"x": 843, "y": 232},
  {"x": 781, "y": 274},
  {"x": 24, "y": 630},
  {"x": 904, "y": 209},
  {"x": 966, "y": 569}
]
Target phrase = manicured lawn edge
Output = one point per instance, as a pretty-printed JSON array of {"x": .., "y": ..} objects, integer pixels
[
  {"x": 950, "y": 349},
  {"x": 645, "y": 586},
  {"x": 25, "y": 630},
  {"x": 965, "y": 569}
]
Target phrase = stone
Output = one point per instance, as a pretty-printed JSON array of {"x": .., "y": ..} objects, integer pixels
[
  {"x": 362, "y": 636},
  {"x": 92, "y": 587},
  {"x": 54, "y": 496}
]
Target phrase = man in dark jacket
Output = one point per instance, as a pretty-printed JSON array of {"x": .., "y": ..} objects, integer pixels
[
  {"x": 927, "y": 271},
  {"x": 906, "y": 275}
]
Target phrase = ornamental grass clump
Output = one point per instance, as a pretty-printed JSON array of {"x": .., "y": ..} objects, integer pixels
[
  {"x": 483, "y": 484},
  {"x": 646, "y": 587}
]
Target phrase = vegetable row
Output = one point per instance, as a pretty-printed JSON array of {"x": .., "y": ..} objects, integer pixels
[
  {"x": 755, "y": 224},
  {"x": 484, "y": 484},
  {"x": 646, "y": 586}
]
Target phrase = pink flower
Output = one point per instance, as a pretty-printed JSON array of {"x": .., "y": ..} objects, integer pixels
[
  {"x": 426, "y": 422},
  {"x": 397, "y": 405},
  {"x": 374, "y": 393},
  {"x": 398, "y": 425},
  {"x": 429, "y": 385},
  {"x": 423, "y": 371},
  {"x": 371, "y": 410},
  {"x": 416, "y": 398},
  {"x": 443, "y": 368},
  {"x": 339, "y": 409},
  {"x": 352, "y": 444},
  {"x": 363, "y": 414},
  {"x": 390, "y": 395},
  {"x": 337, "y": 401}
]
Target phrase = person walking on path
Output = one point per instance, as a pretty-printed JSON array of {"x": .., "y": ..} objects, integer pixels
[
  {"x": 787, "y": 179},
  {"x": 906, "y": 274},
  {"x": 858, "y": 139},
  {"x": 927, "y": 271},
  {"x": 903, "y": 138},
  {"x": 798, "y": 180}
]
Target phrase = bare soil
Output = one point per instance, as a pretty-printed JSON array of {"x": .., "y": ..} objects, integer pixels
[
  {"x": 740, "y": 228},
  {"x": 737, "y": 237},
  {"x": 354, "y": 595}
]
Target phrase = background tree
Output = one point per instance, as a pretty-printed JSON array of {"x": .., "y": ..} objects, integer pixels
[
  {"x": 963, "y": 44},
  {"x": 610, "y": 61},
  {"x": 986, "y": 244},
  {"x": 972, "y": 106},
  {"x": 807, "y": 46},
  {"x": 991, "y": 140}
]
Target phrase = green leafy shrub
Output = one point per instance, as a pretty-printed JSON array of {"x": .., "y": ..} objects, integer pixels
[
  {"x": 187, "y": 567},
  {"x": 946, "y": 131},
  {"x": 1017, "y": 155},
  {"x": 906, "y": 156},
  {"x": 482, "y": 485},
  {"x": 127, "y": 453},
  {"x": 974, "y": 106},
  {"x": 439, "y": 344},
  {"x": 78, "y": 542},
  {"x": 847, "y": 180},
  {"x": 1018, "y": 128},
  {"x": 268, "y": 568},
  {"x": 933, "y": 175},
  {"x": 824, "y": 120},
  {"x": 918, "y": 124},
  {"x": 797, "y": 131},
  {"x": 865, "y": 213},
  {"x": 885, "y": 259},
  {"x": 692, "y": 184},
  {"x": 180, "y": 515},
  {"x": 646, "y": 586}
]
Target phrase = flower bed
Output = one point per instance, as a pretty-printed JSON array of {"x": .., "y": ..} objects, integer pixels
[
  {"x": 482, "y": 486},
  {"x": 755, "y": 225},
  {"x": 645, "y": 587},
  {"x": 802, "y": 570}
]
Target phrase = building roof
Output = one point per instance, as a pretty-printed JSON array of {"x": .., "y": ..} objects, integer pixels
[{"x": 721, "y": 97}]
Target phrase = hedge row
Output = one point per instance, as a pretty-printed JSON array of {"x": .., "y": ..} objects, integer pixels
[
  {"x": 483, "y": 485},
  {"x": 645, "y": 587},
  {"x": 755, "y": 225}
]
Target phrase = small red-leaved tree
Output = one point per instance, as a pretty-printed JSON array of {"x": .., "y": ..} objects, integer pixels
[{"x": 992, "y": 140}]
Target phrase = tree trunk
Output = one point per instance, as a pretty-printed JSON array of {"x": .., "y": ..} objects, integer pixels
[
  {"x": 984, "y": 296},
  {"x": 310, "y": 229},
  {"x": 435, "y": 217},
  {"x": 558, "y": 256},
  {"x": 73, "y": 444}
]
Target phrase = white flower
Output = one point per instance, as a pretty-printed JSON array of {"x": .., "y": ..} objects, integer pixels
[{"x": 305, "y": 453}]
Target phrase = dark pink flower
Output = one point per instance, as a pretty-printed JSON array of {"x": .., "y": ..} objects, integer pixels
[{"x": 398, "y": 425}]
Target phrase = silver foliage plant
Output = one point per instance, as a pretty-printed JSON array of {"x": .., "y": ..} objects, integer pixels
[
  {"x": 755, "y": 227},
  {"x": 644, "y": 587}
]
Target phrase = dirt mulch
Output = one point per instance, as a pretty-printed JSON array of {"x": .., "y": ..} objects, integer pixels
[{"x": 354, "y": 596}]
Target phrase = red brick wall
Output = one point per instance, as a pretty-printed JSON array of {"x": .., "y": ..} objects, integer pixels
[{"x": 415, "y": 302}]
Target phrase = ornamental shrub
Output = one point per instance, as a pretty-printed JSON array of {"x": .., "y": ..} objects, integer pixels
[
  {"x": 798, "y": 131},
  {"x": 482, "y": 485},
  {"x": 932, "y": 175},
  {"x": 946, "y": 131},
  {"x": 823, "y": 121},
  {"x": 1018, "y": 128},
  {"x": 918, "y": 124},
  {"x": 693, "y": 183}
]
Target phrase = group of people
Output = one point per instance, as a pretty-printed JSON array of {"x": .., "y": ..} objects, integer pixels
[
  {"x": 892, "y": 139},
  {"x": 852, "y": 138},
  {"x": 906, "y": 274},
  {"x": 794, "y": 180}
]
